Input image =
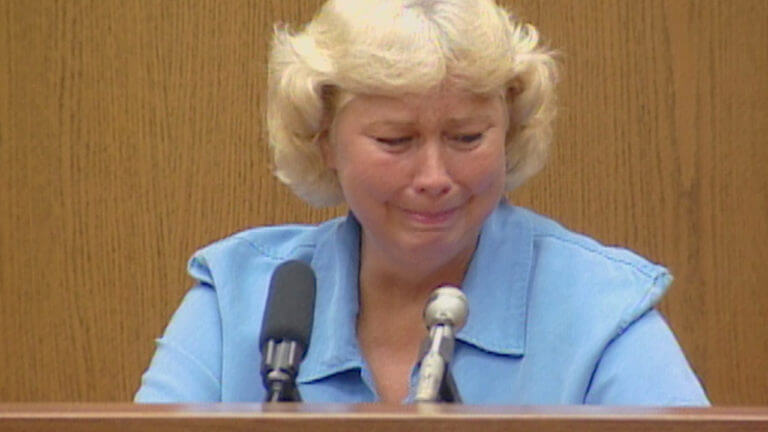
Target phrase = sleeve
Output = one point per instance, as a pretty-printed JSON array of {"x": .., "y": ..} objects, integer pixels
[
  {"x": 186, "y": 366},
  {"x": 644, "y": 365}
]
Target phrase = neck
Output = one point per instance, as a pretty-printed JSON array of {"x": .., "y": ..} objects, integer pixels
[{"x": 387, "y": 285}]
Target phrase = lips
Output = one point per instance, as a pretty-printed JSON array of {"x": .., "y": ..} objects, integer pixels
[{"x": 431, "y": 217}]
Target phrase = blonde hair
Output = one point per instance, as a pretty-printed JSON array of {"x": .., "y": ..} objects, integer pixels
[{"x": 394, "y": 47}]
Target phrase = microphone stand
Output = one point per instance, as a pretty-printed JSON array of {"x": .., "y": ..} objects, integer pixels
[
  {"x": 279, "y": 370},
  {"x": 448, "y": 390},
  {"x": 436, "y": 354}
]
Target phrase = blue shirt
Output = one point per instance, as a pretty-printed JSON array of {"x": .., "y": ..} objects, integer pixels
[{"x": 555, "y": 318}]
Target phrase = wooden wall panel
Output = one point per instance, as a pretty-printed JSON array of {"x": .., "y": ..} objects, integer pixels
[
  {"x": 661, "y": 147},
  {"x": 131, "y": 134}
]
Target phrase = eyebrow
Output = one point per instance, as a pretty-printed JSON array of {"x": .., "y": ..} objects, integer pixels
[
  {"x": 462, "y": 121},
  {"x": 451, "y": 122},
  {"x": 390, "y": 123}
]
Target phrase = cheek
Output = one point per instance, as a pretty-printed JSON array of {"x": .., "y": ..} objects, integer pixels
[
  {"x": 368, "y": 175},
  {"x": 485, "y": 173}
]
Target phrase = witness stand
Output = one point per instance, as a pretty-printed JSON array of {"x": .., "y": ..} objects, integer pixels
[{"x": 296, "y": 417}]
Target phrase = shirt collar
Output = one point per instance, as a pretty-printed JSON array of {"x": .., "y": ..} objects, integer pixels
[
  {"x": 336, "y": 262},
  {"x": 497, "y": 281},
  {"x": 496, "y": 286}
]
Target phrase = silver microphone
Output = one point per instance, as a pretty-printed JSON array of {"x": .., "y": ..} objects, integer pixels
[{"x": 444, "y": 315}]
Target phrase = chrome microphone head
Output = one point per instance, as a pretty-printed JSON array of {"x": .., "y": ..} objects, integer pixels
[{"x": 447, "y": 305}]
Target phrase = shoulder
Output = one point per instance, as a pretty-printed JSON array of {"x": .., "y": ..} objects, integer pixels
[
  {"x": 592, "y": 280},
  {"x": 257, "y": 247},
  {"x": 553, "y": 240}
]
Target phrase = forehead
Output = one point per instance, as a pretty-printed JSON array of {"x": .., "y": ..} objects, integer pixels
[{"x": 438, "y": 105}]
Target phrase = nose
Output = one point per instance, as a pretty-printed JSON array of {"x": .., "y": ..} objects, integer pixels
[{"x": 432, "y": 177}]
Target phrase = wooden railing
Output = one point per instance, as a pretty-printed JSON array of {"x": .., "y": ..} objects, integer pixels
[{"x": 372, "y": 418}]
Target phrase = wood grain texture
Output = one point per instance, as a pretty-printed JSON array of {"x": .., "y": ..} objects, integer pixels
[
  {"x": 131, "y": 134},
  {"x": 373, "y": 418},
  {"x": 662, "y": 148}
]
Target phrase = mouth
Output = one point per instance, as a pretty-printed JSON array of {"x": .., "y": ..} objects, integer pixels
[{"x": 431, "y": 217}]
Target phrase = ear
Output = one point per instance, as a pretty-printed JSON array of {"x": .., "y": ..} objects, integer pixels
[
  {"x": 514, "y": 88},
  {"x": 513, "y": 91},
  {"x": 328, "y": 95},
  {"x": 326, "y": 148}
]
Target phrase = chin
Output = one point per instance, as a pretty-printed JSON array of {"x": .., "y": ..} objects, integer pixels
[{"x": 432, "y": 246}]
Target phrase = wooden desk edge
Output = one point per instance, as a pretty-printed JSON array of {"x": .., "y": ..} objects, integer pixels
[{"x": 374, "y": 417}]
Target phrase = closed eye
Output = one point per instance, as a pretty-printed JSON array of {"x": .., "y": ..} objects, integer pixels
[
  {"x": 393, "y": 141},
  {"x": 467, "y": 139},
  {"x": 470, "y": 138}
]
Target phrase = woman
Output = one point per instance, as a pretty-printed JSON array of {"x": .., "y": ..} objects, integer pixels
[{"x": 420, "y": 115}]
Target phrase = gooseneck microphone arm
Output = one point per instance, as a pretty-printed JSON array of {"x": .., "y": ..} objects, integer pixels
[
  {"x": 286, "y": 329},
  {"x": 436, "y": 382},
  {"x": 445, "y": 314}
]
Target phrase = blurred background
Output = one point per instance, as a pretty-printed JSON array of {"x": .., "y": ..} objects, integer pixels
[{"x": 132, "y": 133}]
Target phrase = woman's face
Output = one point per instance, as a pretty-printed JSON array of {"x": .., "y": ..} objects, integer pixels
[{"x": 422, "y": 172}]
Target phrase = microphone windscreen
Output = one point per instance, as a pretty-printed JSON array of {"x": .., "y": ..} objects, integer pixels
[
  {"x": 447, "y": 305},
  {"x": 290, "y": 305}
]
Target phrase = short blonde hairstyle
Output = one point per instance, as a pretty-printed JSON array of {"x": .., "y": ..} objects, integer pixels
[{"x": 395, "y": 47}]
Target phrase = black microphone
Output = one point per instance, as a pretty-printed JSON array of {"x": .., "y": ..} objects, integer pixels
[
  {"x": 444, "y": 315},
  {"x": 286, "y": 329}
]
